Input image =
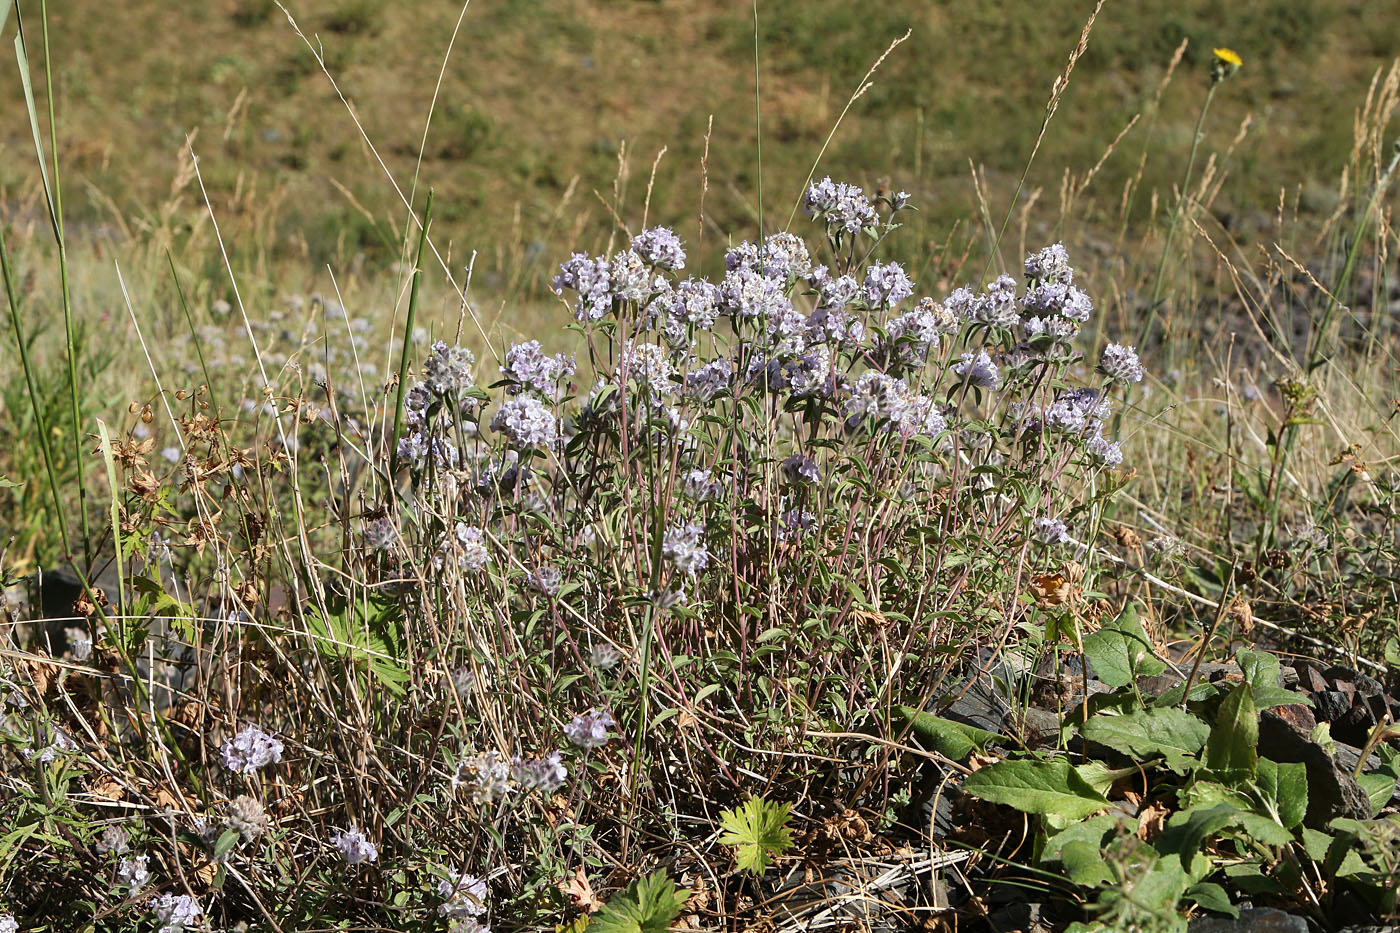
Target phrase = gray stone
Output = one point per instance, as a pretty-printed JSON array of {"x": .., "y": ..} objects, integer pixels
[
  {"x": 1332, "y": 791},
  {"x": 1255, "y": 920}
]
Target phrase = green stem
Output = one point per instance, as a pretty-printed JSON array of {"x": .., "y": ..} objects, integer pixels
[{"x": 408, "y": 340}]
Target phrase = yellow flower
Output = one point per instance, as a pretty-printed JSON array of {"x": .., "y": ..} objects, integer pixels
[{"x": 1229, "y": 57}]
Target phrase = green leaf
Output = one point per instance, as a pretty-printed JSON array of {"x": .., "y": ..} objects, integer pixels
[
  {"x": 1101, "y": 777},
  {"x": 227, "y": 840},
  {"x": 1084, "y": 863},
  {"x": 1050, "y": 788},
  {"x": 1121, "y": 651},
  {"x": 758, "y": 831},
  {"x": 1260, "y": 668},
  {"x": 1212, "y": 896},
  {"x": 367, "y": 632},
  {"x": 1285, "y": 787},
  {"x": 1173, "y": 734},
  {"x": 1378, "y": 786},
  {"x": 5, "y": 481},
  {"x": 953, "y": 739},
  {"x": 1231, "y": 747},
  {"x": 649, "y": 905},
  {"x": 1094, "y": 830}
]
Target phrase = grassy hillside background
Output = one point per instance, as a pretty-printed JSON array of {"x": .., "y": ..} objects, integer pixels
[{"x": 538, "y": 99}]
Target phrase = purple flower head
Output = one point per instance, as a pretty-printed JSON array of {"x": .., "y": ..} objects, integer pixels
[
  {"x": 381, "y": 534},
  {"x": 250, "y": 750},
  {"x": 114, "y": 841},
  {"x": 800, "y": 469},
  {"x": 748, "y": 294},
  {"x": 527, "y": 423},
  {"x": 133, "y": 873},
  {"x": 1078, "y": 411},
  {"x": 463, "y": 895},
  {"x": 913, "y": 335},
  {"x": 354, "y": 846},
  {"x": 996, "y": 307},
  {"x": 1102, "y": 450},
  {"x": 604, "y": 656},
  {"x": 1050, "y": 530},
  {"x": 1077, "y": 307},
  {"x": 545, "y": 775},
  {"x": 834, "y": 293},
  {"x": 962, "y": 303},
  {"x": 840, "y": 206},
  {"x": 631, "y": 279},
  {"x": 590, "y": 729},
  {"x": 484, "y": 776},
  {"x": 547, "y": 579},
  {"x": 1051, "y": 264},
  {"x": 592, "y": 280},
  {"x": 700, "y": 485},
  {"x": 781, "y": 256},
  {"x": 705, "y": 383},
  {"x": 532, "y": 371},
  {"x": 176, "y": 913},
  {"x": 660, "y": 247},
  {"x": 921, "y": 415},
  {"x": 978, "y": 369},
  {"x": 878, "y": 397},
  {"x": 684, "y": 547},
  {"x": 8, "y": 924},
  {"x": 1120, "y": 364},
  {"x": 795, "y": 525},
  {"x": 696, "y": 301},
  {"x": 886, "y": 285}
]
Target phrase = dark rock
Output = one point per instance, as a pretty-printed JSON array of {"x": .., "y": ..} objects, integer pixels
[
  {"x": 1366, "y": 686},
  {"x": 1331, "y": 705},
  {"x": 1332, "y": 791},
  {"x": 1354, "y": 726},
  {"x": 1255, "y": 920}
]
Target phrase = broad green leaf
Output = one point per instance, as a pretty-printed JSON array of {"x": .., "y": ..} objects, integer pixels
[
  {"x": 1212, "y": 896},
  {"x": 1173, "y": 734},
  {"x": 227, "y": 840},
  {"x": 1121, "y": 651},
  {"x": 1264, "y": 829},
  {"x": 1094, "y": 830},
  {"x": 1050, "y": 788},
  {"x": 1101, "y": 777},
  {"x": 6, "y": 482},
  {"x": 955, "y": 740},
  {"x": 1260, "y": 668},
  {"x": 367, "y": 632},
  {"x": 1251, "y": 878},
  {"x": 1379, "y": 787},
  {"x": 649, "y": 905},
  {"x": 1232, "y": 746},
  {"x": 758, "y": 831},
  {"x": 1285, "y": 786},
  {"x": 1084, "y": 863},
  {"x": 1315, "y": 844},
  {"x": 1187, "y": 830}
]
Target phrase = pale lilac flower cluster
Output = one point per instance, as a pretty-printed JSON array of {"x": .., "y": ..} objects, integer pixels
[
  {"x": 463, "y": 895},
  {"x": 882, "y": 399},
  {"x": 1120, "y": 364},
  {"x": 659, "y": 246},
  {"x": 592, "y": 280},
  {"x": 448, "y": 370},
  {"x": 705, "y": 383},
  {"x": 176, "y": 913},
  {"x": 696, "y": 302},
  {"x": 1051, "y": 264},
  {"x": 8, "y": 924},
  {"x": 996, "y": 306},
  {"x": 842, "y": 207},
  {"x": 471, "y": 547},
  {"x": 795, "y": 524},
  {"x": 632, "y": 279},
  {"x": 530, "y": 370},
  {"x": 834, "y": 291},
  {"x": 978, "y": 369},
  {"x": 353, "y": 844},
  {"x": 800, "y": 469},
  {"x": 1049, "y": 530},
  {"x": 604, "y": 656},
  {"x": 781, "y": 256},
  {"x": 250, "y": 750},
  {"x": 527, "y": 423},
  {"x": 886, "y": 285},
  {"x": 545, "y": 775},
  {"x": 1078, "y": 411},
  {"x": 134, "y": 873},
  {"x": 647, "y": 365},
  {"x": 380, "y": 534},
  {"x": 547, "y": 579},
  {"x": 911, "y": 337},
  {"x": 247, "y": 817},
  {"x": 485, "y": 777},
  {"x": 684, "y": 547},
  {"x": 745, "y": 293},
  {"x": 590, "y": 729},
  {"x": 113, "y": 841}
]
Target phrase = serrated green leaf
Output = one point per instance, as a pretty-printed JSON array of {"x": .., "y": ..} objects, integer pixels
[
  {"x": 758, "y": 831},
  {"x": 649, "y": 905},
  {"x": 1049, "y": 788},
  {"x": 1121, "y": 651},
  {"x": 1173, "y": 734}
]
